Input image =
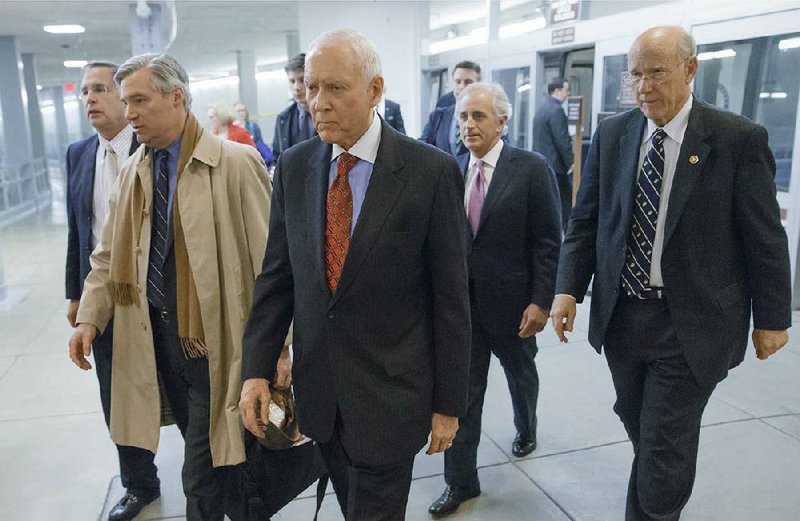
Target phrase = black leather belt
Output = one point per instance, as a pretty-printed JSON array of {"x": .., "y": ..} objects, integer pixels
[{"x": 649, "y": 294}]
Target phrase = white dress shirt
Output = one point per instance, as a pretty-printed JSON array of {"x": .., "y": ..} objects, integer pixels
[
  {"x": 489, "y": 164},
  {"x": 104, "y": 177},
  {"x": 675, "y": 130}
]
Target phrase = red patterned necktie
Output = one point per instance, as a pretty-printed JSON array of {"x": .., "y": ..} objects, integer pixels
[{"x": 339, "y": 220}]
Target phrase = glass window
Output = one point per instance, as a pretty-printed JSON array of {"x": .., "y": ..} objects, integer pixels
[
  {"x": 454, "y": 25},
  {"x": 617, "y": 96},
  {"x": 579, "y": 71},
  {"x": 517, "y": 84},
  {"x": 759, "y": 79}
]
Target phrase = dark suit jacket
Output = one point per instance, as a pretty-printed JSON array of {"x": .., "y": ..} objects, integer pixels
[
  {"x": 393, "y": 116},
  {"x": 446, "y": 100},
  {"x": 287, "y": 131},
  {"x": 725, "y": 250},
  {"x": 514, "y": 255},
  {"x": 437, "y": 129},
  {"x": 551, "y": 135},
  {"x": 81, "y": 157},
  {"x": 392, "y": 344}
]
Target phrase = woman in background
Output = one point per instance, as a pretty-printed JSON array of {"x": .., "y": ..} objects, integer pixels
[
  {"x": 243, "y": 120},
  {"x": 220, "y": 118}
]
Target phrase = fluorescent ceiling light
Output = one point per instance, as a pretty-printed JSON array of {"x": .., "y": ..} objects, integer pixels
[
  {"x": 216, "y": 82},
  {"x": 790, "y": 43},
  {"x": 64, "y": 29},
  {"x": 714, "y": 55},
  {"x": 511, "y": 30},
  {"x": 475, "y": 37},
  {"x": 39, "y": 87},
  {"x": 75, "y": 64},
  {"x": 524, "y": 87},
  {"x": 455, "y": 17},
  {"x": 773, "y": 95},
  {"x": 277, "y": 74}
]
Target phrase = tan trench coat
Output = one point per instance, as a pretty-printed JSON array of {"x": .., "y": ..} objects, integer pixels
[{"x": 224, "y": 195}]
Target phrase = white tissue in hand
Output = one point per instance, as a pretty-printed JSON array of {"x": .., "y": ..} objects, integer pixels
[{"x": 276, "y": 415}]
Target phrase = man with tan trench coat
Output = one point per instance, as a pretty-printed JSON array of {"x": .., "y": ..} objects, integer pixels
[{"x": 218, "y": 212}]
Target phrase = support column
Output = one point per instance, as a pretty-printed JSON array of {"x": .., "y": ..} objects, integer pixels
[
  {"x": 15, "y": 121},
  {"x": 292, "y": 44},
  {"x": 246, "y": 69},
  {"x": 61, "y": 121},
  {"x": 146, "y": 35},
  {"x": 34, "y": 109}
]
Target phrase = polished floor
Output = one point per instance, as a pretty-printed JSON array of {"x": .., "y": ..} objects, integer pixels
[{"x": 57, "y": 463}]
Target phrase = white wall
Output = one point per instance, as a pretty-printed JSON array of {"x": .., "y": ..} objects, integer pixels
[{"x": 394, "y": 29}]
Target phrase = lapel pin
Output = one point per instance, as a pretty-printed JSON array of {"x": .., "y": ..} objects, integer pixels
[{"x": 694, "y": 159}]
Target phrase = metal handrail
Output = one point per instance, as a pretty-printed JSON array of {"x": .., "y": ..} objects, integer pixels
[{"x": 22, "y": 187}]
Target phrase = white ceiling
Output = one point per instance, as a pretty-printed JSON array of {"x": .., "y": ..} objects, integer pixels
[{"x": 209, "y": 33}]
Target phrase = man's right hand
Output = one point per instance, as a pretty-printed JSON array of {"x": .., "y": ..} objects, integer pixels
[
  {"x": 563, "y": 314},
  {"x": 80, "y": 345},
  {"x": 72, "y": 311},
  {"x": 255, "y": 398}
]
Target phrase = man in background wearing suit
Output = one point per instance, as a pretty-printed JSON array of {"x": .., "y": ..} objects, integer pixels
[
  {"x": 442, "y": 129},
  {"x": 390, "y": 112},
  {"x": 551, "y": 139},
  {"x": 294, "y": 123},
  {"x": 677, "y": 221},
  {"x": 92, "y": 167},
  {"x": 514, "y": 235},
  {"x": 364, "y": 255}
]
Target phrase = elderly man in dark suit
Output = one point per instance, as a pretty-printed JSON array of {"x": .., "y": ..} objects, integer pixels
[
  {"x": 514, "y": 235},
  {"x": 551, "y": 139},
  {"x": 677, "y": 221},
  {"x": 442, "y": 129},
  {"x": 294, "y": 124},
  {"x": 92, "y": 168},
  {"x": 364, "y": 255}
]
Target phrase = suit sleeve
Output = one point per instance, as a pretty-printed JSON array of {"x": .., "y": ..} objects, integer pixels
[
  {"x": 762, "y": 237},
  {"x": 429, "y": 132},
  {"x": 273, "y": 295},
  {"x": 560, "y": 129},
  {"x": 447, "y": 255},
  {"x": 276, "y": 141},
  {"x": 544, "y": 225},
  {"x": 73, "y": 268},
  {"x": 398, "y": 121},
  {"x": 577, "y": 260}
]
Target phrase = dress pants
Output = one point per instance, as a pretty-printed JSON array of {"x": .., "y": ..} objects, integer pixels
[
  {"x": 565, "y": 193},
  {"x": 186, "y": 382},
  {"x": 660, "y": 403},
  {"x": 517, "y": 356},
  {"x": 366, "y": 492},
  {"x": 136, "y": 468}
]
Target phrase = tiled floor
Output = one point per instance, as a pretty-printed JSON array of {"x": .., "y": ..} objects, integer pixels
[{"x": 57, "y": 463}]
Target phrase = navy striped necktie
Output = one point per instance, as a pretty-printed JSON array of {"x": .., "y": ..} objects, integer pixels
[
  {"x": 639, "y": 255},
  {"x": 159, "y": 242}
]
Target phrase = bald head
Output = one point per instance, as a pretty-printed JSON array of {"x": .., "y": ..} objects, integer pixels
[{"x": 663, "y": 65}]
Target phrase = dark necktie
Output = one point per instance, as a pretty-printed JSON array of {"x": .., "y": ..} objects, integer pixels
[
  {"x": 158, "y": 238},
  {"x": 638, "y": 258},
  {"x": 339, "y": 220}
]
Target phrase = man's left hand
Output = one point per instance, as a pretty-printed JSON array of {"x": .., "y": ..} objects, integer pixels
[
  {"x": 443, "y": 432},
  {"x": 769, "y": 342},
  {"x": 533, "y": 320},
  {"x": 283, "y": 376}
]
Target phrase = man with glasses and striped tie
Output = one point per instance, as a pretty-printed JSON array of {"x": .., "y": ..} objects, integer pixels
[
  {"x": 677, "y": 220},
  {"x": 175, "y": 266}
]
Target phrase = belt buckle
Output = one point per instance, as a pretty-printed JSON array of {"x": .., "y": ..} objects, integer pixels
[{"x": 650, "y": 294}]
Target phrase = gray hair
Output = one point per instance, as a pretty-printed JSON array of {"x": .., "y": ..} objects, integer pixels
[
  {"x": 686, "y": 43},
  {"x": 167, "y": 74},
  {"x": 364, "y": 50},
  {"x": 101, "y": 64},
  {"x": 224, "y": 112},
  {"x": 500, "y": 102}
]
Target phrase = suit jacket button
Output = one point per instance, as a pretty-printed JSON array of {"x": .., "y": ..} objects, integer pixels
[
  {"x": 145, "y": 212},
  {"x": 330, "y": 314},
  {"x": 138, "y": 250}
]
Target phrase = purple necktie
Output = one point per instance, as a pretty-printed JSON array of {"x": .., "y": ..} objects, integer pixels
[{"x": 476, "y": 198}]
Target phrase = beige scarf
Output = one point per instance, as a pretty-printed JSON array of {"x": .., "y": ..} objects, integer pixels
[{"x": 127, "y": 229}]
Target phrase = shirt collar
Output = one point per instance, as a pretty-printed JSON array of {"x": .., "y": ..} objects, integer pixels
[
  {"x": 676, "y": 127},
  {"x": 173, "y": 149},
  {"x": 366, "y": 147},
  {"x": 121, "y": 143},
  {"x": 301, "y": 112},
  {"x": 491, "y": 157}
]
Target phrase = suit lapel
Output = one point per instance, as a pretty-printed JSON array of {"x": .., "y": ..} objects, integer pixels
[
  {"x": 316, "y": 206},
  {"x": 385, "y": 185},
  {"x": 87, "y": 167},
  {"x": 503, "y": 172},
  {"x": 687, "y": 172},
  {"x": 629, "y": 145}
]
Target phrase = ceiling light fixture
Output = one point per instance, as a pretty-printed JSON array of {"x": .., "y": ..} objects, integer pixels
[
  {"x": 64, "y": 29},
  {"x": 790, "y": 43},
  {"x": 75, "y": 64}
]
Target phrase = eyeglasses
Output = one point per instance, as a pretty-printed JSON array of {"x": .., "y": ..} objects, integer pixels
[
  {"x": 97, "y": 88},
  {"x": 654, "y": 77}
]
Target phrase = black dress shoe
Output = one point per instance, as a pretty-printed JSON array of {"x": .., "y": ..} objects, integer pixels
[
  {"x": 523, "y": 446},
  {"x": 129, "y": 507},
  {"x": 451, "y": 499}
]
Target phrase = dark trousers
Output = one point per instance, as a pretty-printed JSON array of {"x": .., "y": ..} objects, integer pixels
[
  {"x": 367, "y": 492},
  {"x": 660, "y": 403},
  {"x": 517, "y": 356},
  {"x": 136, "y": 468},
  {"x": 565, "y": 191}
]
